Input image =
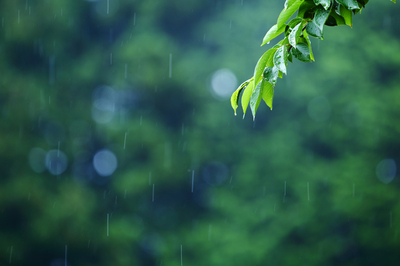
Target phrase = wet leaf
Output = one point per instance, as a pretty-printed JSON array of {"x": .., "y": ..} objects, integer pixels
[
  {"x": 306, "y": 10},
  {"x": 364, "y": 2},
  {"x": 302, "y": 52},
  {"x": 271, "y": 74},
  {"x": 236, "y": 94},
  {"x": 262, "y": 63},
  {"x": 256, "y": 97},
  {"x": 339, "y": 20},
  {"x": 307, "y": 39},
  {"x": 349, "y": 4},
  {"x": 324, "y": 3},
  {"x": 295, "y": 34},
  {"x": 280, "y": 58},
  {"x": 273, "y": 32},
  {"x": 315, "y": 27},
  {"x": 291, "y": 7},
  {"x": 268, "y": 94},
  {"x": 246, "y": 96},
  {"x": 347, "y": 15}
]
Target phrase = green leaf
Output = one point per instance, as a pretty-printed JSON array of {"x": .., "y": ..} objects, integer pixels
[
  {"x": 236, "y": 94},
  {"x": 349, "y": 4},
  {"x": 271, "y": 74},
  {"x": 302, "y": 52},
  {"x": 268, "y": 93},
  {"x": 262, "y": 63},
  {"x": 316, "y": 26},
  {"x": 339, "y": 20},
  {"x": 280, "y": 58},
  {"x": 273, "y": 32},
  {"x": 307, "y": 39},
  {"x": 306, "y": 9},
  {"x": 347, "y": 15},
  {"x": 294, "y": 22},
  {"x": 255, "y": 98},
  {"x": 246, "y": 96},
  {"x": 291, "y": 6},
  {"x": 324, "y": 3},
  {"x": 295, "y": 34},
  {"x": 394, "y": 1},
  {"x": 364, "y": 2}
]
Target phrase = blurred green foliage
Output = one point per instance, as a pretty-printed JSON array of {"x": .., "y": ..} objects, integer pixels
[{"x": 308, "y": 184}]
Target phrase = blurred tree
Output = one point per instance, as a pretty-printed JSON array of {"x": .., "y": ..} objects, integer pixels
[{"x": 116, "y": 150}]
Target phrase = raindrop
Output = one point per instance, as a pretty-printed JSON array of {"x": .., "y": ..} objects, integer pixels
[
  {"x": 105, "y": 162},
  {"x": 108, "y": 224},
  {"x": 106, "y": 8},
  {"x": 152, "y": 195},
  {"x": 126, "y": 133},
  {"x": 170, "y": 66},
  {"x": 66, "y": 248},
  {"x": 386, "y": 170},
  {"x": 11, "y": 251},
  {"x": 192, "y": 180}
]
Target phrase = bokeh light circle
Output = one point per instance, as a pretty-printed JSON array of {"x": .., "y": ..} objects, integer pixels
[
  {"x": 56, "y": 162},
  {"x": 105, "y": 162},
  {"x": 223, "y": 83},
  {"x": 386, "y": 170}
]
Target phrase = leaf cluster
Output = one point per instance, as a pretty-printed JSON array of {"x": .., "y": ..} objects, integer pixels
[{"x": 312, "y": 16}]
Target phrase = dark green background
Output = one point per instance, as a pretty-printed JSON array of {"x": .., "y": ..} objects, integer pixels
[{"x": 55, "y": 53}]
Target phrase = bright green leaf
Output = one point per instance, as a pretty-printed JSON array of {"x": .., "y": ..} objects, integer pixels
[
  {"x": 394, "y": 1},
  {"x": 273, "y": 32},
  {"x": 324, "y": 3},
  {"x": 246, "y": 96},
  {"x": 290, "y": 9},
  {"x": 271, "y": 74},
  {"x": 305, "y": 35},
  {"x": 349, "y": 4},
  {"x": 236, "y": 94},
  {"x": 262, "y": 63},
  {"x": 256, "y": 97},
  {"x": 294, "y": 22},
  {"x": 280, "y": 58},
  {"x": 268, "y": 93},
  {"x": 288, "y": 3},
  {"x": 347, "y": 15},
  {"x": 295, "y": 34}
]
